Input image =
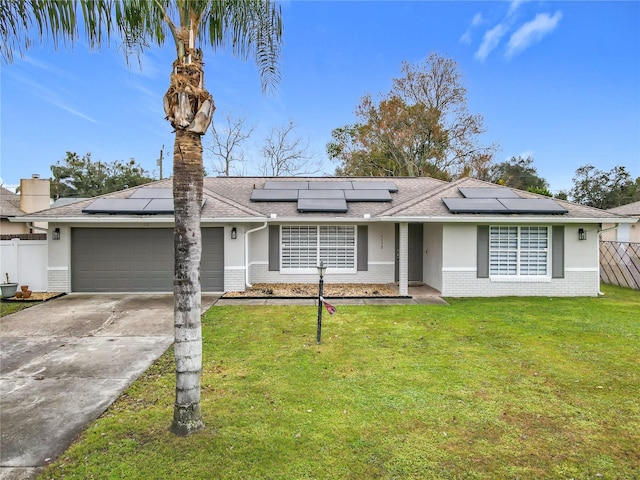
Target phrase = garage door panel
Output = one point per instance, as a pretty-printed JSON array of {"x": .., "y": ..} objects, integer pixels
[{"x": 138, "y": 260}]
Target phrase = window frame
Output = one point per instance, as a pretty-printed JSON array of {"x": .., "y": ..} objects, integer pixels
[
  {"x": 318, "y": 247},
  {"x": 520, "y": 253}
]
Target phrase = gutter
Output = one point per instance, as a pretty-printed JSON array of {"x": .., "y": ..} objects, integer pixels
[
  {"x": 506, "y": 219},
  {"x": 246, "y": 253}
]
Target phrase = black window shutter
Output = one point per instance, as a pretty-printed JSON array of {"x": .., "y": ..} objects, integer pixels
[
  {"x": 274, "y": 248},
  {"x": 483, "y": 252},
  {"x": 363, "y": 248},
  {"x": 557, "y": 251}
]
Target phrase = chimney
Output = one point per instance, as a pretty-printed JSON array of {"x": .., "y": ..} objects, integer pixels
[{"x": 34, "y": 194}]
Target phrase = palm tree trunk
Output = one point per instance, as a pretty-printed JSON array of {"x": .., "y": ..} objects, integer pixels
[{"x": 187, "y": 198}]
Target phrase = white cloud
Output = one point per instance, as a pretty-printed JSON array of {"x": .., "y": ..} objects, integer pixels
[
  {"x": 490, "y": 41},
  {"x": 47, "y": 67},
  {"x": 475, "y": 21},
  {"x": 532, "y": 32},
  {"x": 466, "y": 37},
  {"x": 514, "y": 5},
  {"x": 72, "y": 111},
  {"x": 55, "y": 98}
]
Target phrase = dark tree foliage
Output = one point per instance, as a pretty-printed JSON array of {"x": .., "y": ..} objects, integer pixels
[
  {"x": 595, "y": 188},
  {"x": 77, "y": 176},
  {"x": 519, "y": 172}
]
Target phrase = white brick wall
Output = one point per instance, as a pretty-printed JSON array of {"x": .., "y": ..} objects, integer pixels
[
  {"x": 463, "y": 283},
  {"x": 58, "y": 280},
  {"x": 234, "y": 279}
]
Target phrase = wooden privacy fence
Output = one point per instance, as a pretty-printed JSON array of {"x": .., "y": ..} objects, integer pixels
[{"x": 620, "y": 264}]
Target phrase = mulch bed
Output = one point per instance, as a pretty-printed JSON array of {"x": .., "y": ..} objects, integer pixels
[
  {"x": 35, "y": 297},
  {"x": 310, "y": 290}
]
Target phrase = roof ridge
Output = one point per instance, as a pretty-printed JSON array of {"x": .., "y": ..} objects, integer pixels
[{"x": 424, "y": 196}]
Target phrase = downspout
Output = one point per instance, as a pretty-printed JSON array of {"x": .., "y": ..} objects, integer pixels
[
  {"x": 31, "y": 226},
  {"x": 246, "y": 253},
  {"x": 600, "y": 232}
]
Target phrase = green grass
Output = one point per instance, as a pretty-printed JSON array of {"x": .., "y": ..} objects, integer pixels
[
  {"x": 483, "y": 388},
  {"x": 7, "y": 308}
]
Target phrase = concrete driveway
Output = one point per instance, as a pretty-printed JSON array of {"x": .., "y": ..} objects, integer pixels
[{"x": 63, "y": 362}]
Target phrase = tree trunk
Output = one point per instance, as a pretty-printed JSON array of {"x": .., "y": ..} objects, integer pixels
[{"x": 187, "y": 198}]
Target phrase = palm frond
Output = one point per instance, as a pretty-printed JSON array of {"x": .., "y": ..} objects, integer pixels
[{"x": 247, "y": 27}]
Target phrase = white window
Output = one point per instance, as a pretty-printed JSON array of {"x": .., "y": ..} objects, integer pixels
[
  {"x": 304, "y": 247},
  {"x": 519, "y": 251}
]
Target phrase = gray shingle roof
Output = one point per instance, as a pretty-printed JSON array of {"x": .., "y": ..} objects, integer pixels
[
  {"x": 9, "y": 203},
  {"x": 632, "y": 209},
  {"x": 431, "y": 204},
  {"x": 417, "y": 197}
]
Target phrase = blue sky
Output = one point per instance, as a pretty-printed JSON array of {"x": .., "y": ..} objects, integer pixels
[{"x": 559, "y": 81}]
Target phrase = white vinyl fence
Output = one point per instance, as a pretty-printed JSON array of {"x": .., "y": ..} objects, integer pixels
[{"x": 25, "y": 261}]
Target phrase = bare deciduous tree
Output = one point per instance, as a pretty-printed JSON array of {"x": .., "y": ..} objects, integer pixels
[
  {"x": 284, "y": 154},
  {"x": 226, "y": 146}
]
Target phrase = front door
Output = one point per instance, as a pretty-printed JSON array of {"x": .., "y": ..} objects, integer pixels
[{"x": 415, "y": 252}]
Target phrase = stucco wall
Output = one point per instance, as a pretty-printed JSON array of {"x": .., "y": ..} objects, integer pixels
[
  {"x": 234, "y": 269},
  {"x": 624, "y": 233},
  {"x": 459, "y": 271},
  {"x": 8, "y": 228},
  {"x": 381, "y": 260},
  {"x": 59, "y": 266}
]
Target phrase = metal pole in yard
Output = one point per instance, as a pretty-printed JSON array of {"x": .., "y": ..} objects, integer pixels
[{"x": 321, "y": 270}]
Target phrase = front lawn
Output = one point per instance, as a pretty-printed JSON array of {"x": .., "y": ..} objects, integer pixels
[
  {"x": 483, "y": 388},
  {"x": 7, "y": 308}
]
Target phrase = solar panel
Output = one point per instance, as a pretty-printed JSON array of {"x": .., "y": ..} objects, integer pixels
[
  {"x": 330, "y": 185},
  {"x": 322, "y": 205},
  {"x": 375, "y": 185},
  {"x": 159, "y": 205},
  {"x": 133, "y": 206},
  {"x": 320, "y": 194},
  {"x": 280, "y": 185},
  {"x": 503, "y": 205},
  {"x": 152, "y": 193},
  {"x": 474, "y": 205},
  {"x": 367, "y": 195},
  {"x": 532, "y": 205},
  {"x": 488, "y": 192},
  {"x": 117, "y": 205},
  {"x": 274, "y": 195}
]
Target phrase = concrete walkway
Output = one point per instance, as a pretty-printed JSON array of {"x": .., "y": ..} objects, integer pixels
[{"x": 63, "y": 362}]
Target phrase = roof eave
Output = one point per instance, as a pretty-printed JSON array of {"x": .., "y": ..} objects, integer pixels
[{"x": 504, "y": 219}]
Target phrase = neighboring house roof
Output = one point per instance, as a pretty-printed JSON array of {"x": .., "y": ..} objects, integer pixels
[
  {"x": 417, "y": 199},
  {"x": 632, "y": 209},
  {"x": 9, "y": 203},
  {"x": 66, "y": 201}
]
